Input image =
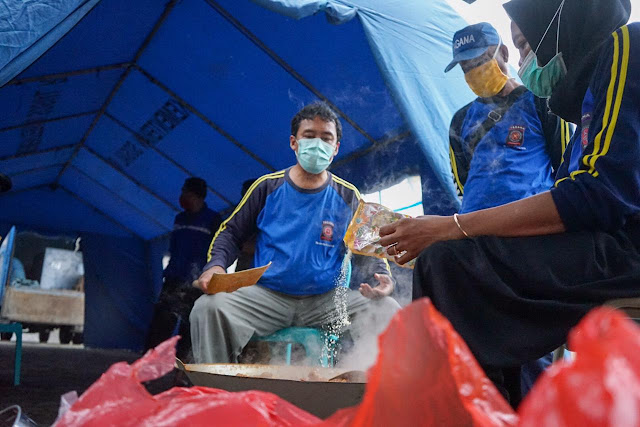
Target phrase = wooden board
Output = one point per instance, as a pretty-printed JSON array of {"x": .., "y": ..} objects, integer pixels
[{"x": 51, "y": 307}]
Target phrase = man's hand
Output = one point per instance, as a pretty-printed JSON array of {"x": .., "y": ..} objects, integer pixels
[
  {"x": 203, "y": 281},
  {"x": 412, "y": 235},
  {"x": 384, "y": 288}
]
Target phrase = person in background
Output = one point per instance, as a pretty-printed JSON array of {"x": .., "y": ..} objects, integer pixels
[
  {"x": 514, "y": 279},
  {"x": 299, "y": 217},
  {"x": 505, "y": 144},
  {"x": 192, "y": 232}
]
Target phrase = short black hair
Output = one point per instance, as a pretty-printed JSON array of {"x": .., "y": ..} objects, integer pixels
[
  {"x": 311, "y": 111},
  {"x": 195, "y": 185}
]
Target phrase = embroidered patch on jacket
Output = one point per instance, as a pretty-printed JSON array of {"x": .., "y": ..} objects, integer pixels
[
  {"x": 516, "y": 136},
  {"x": 327, "y": 231}
]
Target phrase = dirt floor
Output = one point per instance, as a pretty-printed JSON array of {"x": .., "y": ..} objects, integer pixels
[{"x": 51, "y": 370}]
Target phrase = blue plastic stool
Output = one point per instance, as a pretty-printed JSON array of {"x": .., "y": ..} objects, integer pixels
[
  {"x": 16, "y": 328},
  {"x": 312, "y": 339}
]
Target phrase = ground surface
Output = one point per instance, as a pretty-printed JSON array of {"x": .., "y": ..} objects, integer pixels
[{"x": 51, "y": 370}]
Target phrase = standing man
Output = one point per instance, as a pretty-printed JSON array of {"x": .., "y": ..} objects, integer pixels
[
  {"x": 193, "y": 229},
  {"x": 504, "y": 145},
  {"x": 299, "y": 217},
  {"x": 514, "y": 279}
]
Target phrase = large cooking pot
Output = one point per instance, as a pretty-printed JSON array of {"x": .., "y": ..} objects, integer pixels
[{"x": 306, "y": 387}]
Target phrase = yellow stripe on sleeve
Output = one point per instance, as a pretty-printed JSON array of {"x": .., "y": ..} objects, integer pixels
[
  {"x": 386, "y": 264},
  {"x": 620, "y": 93},
  {"x": 560, "y": 180},
  {"x": 223, "y": 226},
  {"x": 347, "y": 184},
  {"x": 587, "y": 160},
  {"x": 454, "y": 168}
]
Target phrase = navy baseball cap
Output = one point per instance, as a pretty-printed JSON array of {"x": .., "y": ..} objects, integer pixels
[{"x": 472, "y": 41}]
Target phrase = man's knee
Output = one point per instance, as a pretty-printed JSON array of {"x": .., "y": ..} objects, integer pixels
[{"x": 208, "y": 305}]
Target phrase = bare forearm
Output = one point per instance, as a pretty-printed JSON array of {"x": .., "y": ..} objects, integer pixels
[{"x": 533, "y": 216}]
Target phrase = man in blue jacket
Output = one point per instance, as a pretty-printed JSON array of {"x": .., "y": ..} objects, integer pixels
[
  {"x": 514, "y": 279},
  {"x": 504, "y": 145},
  {"x": 299, "y": 217},
  {"x": 192, "y": 232}
]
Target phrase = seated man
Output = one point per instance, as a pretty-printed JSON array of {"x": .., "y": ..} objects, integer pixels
[
  {"x": 299, "y": 216},
  {"x": 514, "y": 279},
  {"x": 505, "y": 144}
]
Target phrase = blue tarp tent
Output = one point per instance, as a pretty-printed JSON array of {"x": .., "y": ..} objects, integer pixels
[{"x": 107, "y": 106}]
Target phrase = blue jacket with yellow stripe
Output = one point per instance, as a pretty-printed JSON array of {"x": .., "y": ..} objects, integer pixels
[
  {"x": 300, "y": 231},
  {"x": 598, "y": 184}
]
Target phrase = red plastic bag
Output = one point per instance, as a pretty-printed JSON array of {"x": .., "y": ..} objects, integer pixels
[
  {"x": 425, "y": 375},
  {"x": 601, "y": 387},
  {"x": 119, "y": 399}
]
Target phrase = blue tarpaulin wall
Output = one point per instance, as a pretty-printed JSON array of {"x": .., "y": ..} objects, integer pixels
[{"x": 130, "y": 98}]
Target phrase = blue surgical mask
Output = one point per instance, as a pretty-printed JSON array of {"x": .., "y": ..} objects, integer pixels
[
  {"x": 314, "y": 155},
  {"x": 542, "y": 80}
]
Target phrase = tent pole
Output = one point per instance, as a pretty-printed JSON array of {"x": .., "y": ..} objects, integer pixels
[
  {"x": 288, "y": 68},
  {"x": 204, "y": 118},
  {"x": 41, "y": 122},
  {"x": 119, "y": 197},
  {"x": 131, "y": 178},
  {"x": 168, "y": 8},
  {"x": 38, "y": 169},
  {"x": 95, "y": 209},
  {"x": 33, "y": 153},
  {"x": 144, "y": 142},
  {"x": 108, "y": 162},
  {"x": 64, "y": 75}
]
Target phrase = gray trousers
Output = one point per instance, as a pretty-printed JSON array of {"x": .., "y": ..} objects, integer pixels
[{"x": 223, "y": 324}]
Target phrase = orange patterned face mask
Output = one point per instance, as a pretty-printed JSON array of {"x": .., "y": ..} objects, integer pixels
[{"x": 487, "y": 79}]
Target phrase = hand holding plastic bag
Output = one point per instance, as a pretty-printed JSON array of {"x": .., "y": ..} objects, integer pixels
[{"x": 363, "y": 234}]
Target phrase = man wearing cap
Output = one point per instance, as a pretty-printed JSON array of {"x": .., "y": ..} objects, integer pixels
[
  {"x": 193, "y": 229},
  {"x": 505, "y": 143},
  {"x": 514, "y": 279}
]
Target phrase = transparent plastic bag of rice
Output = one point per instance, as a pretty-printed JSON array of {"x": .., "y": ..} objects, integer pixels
[{"x": 363, "y": 234}]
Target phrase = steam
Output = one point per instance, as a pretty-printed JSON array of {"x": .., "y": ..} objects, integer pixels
[{"x": 295, "y": 99}]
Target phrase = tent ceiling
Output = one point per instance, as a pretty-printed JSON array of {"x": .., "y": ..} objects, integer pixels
[{"x": 101, "y": 131}]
